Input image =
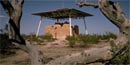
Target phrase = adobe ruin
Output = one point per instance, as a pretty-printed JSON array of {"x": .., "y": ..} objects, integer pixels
[{"x": 61, "y": 30}]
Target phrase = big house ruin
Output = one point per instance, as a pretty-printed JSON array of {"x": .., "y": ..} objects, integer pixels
[{"x": 60, "y": 30}]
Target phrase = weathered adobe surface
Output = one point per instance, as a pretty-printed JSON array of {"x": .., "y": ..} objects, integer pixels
[{"x": 61, "y": 30}]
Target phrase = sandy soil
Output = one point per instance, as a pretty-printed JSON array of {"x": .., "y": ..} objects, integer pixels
[{"x": 50, "y": 49}]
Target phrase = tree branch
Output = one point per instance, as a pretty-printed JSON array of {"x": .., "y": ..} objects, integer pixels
[
  {"x": 120, "y": 15},
  {"x": 13, "y": 3},
  {"x": 17, "y": 32},
  {"x": 20, "y": 2},
  {"x": 81, "y": 4},
  {"x": 7, "y": 7},
  {"x": 17, "y": 3},
  {"x": 114, "y": 13}
]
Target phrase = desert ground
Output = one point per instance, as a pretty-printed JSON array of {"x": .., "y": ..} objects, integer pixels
[{"x": 51, "y": 50}]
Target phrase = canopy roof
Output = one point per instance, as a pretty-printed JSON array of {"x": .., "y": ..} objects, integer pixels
[{"x": 63, "y": 13}]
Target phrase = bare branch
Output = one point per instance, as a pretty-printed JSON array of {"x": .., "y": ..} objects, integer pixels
[
  {"x": 120, "y": 15},
  {"x": 13, "y": 3},
  {"x": 17, "y": 4},
  {"x": 20, "y": 2},
  {"x": 81, "y": 4}
]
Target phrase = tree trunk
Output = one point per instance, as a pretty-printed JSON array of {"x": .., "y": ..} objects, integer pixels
[
  {"x": 88, "y": 56},
  {"x": 13, "y": 9}
]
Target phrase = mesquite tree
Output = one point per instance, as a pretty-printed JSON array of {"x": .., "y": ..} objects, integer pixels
[
  {"x": 13, "y": 9},
  {"x": 113, "y": 12},
  {"x": 110, "y": 9}
]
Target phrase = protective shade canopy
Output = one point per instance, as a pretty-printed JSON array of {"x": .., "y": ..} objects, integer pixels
[{"x": 63, "y": 13}]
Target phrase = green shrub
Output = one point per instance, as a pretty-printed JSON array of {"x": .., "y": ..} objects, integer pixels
[
  {"x": 72, "y": 40},
  {"x": 5, "y": 44},
  {"x": 33, "y": 38},
  {"x": 47, "y": 37},
  {"x": 121, "y": 58},
  {"x": 107, "y": 36},
  {"x": 87, "y": 39},
  {"x": 39, "y": 39},
  {"x": 4, "y": 41},
  {"x": 84, "y": 40},
  {"x": 25, "y": 36}
]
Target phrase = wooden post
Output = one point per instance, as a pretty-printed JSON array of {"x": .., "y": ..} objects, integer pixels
[
  {"x": 39, "y": 27},
  {"x": 86, "y": 32}
]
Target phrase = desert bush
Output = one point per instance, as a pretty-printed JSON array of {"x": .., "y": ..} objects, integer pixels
[
  {"x": 42, "y": 38},
  {"x": 5, "y": 44},
  {"x": 71, "y": 40},
  {"x": 47, "y": 37},
  {"x": 25, "y": 36},
  {"x": 84, "y": 40},
  {"x": 92, "y": 39},
  {"x": 108, "y": 35},
  {"x": 31, "y": 37},
  {"x": 120, "y": 58},
  {"x": 87, "y": 39}
]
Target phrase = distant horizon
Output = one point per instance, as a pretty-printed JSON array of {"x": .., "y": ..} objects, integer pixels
[{"x": 97, "y": 24}]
